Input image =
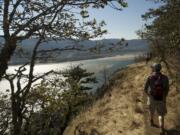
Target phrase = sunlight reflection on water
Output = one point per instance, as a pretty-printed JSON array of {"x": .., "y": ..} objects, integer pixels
[{"x": 110, "y": 64}]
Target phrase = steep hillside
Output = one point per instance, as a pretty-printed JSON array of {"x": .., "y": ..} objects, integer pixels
[{"x": 123, "y": 111}]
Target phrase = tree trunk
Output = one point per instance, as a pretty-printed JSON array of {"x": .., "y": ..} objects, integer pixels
[
  {"x": 6, "y": 53},
  {"x": 67, "y": 120},
  {"x": 16, "y": 116}
]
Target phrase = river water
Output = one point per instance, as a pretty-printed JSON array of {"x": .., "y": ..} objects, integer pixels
[{"x": 98, "y": 66}]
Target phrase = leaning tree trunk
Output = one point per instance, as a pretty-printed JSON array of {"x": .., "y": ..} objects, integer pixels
[{"x": 5, "y": 55}]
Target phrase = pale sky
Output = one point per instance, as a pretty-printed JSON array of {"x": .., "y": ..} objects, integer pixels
[{"x": 124, "y": 23}]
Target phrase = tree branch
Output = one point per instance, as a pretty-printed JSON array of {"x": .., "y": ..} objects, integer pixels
[
  {"x": 11, "y": 16},
  {"x": 5, "y": 19}
]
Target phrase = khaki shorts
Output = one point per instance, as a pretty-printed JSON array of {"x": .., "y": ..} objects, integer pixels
[{"x": 157, "y": 106}]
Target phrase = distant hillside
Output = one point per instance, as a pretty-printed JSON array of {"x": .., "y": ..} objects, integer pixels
[{"x": 89, "y": 49}]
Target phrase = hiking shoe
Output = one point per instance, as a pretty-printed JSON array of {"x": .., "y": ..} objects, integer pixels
[
  {"x": 152, "y": 123},
  {"x": 162, "y": 129},
  {"x": 163, "y": 132}
]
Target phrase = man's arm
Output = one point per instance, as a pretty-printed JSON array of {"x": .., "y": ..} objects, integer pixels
[
  {"x": 166, "y": 85},
  {"x": 146, "y": 85}
]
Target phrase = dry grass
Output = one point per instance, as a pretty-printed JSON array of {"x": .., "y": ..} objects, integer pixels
[{"x": 122, "y": 111}]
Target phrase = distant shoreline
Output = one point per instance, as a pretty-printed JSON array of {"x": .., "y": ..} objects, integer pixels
[{"x": 82, "y": 59}]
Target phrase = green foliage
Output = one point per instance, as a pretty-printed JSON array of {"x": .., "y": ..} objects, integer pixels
[
  {"x": 123, "y": 3},
  {"x": 5, "y": 114},
  {"x": 78, "y": 77},
  {"x": 164, "y": 31},
  {"x": 56, "y": 101}
]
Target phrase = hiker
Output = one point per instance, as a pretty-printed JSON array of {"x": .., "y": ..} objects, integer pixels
[
  {"x": 157, "y": 88},
  {"x": 148, "y": 57}
]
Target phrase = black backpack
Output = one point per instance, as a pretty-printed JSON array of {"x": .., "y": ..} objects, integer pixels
[{"x": 157, "y": 89}]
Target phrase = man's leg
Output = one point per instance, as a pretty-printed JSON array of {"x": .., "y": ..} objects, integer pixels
[
  {"x": 162, "y": 110},
  {"x": 161, "y": 122},
  {"x": 151, "y": 110},
  {"x": 152, "y": 118}
]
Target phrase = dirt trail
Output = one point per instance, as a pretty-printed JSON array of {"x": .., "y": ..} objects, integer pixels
[{"x": 123, "y": 110}]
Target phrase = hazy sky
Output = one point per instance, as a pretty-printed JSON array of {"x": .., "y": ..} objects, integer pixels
[{"x": 124, "y": 23}]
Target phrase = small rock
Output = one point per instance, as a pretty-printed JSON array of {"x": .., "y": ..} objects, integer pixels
[
  {"x": 94, "y": 132},
  {"x": 139, "y": 108},
  {"x": 135, "y": 125},
  {"x": 119, "y": 131}
]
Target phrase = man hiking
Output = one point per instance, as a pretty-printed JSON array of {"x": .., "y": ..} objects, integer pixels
[{"x": 157, "y": 88}]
